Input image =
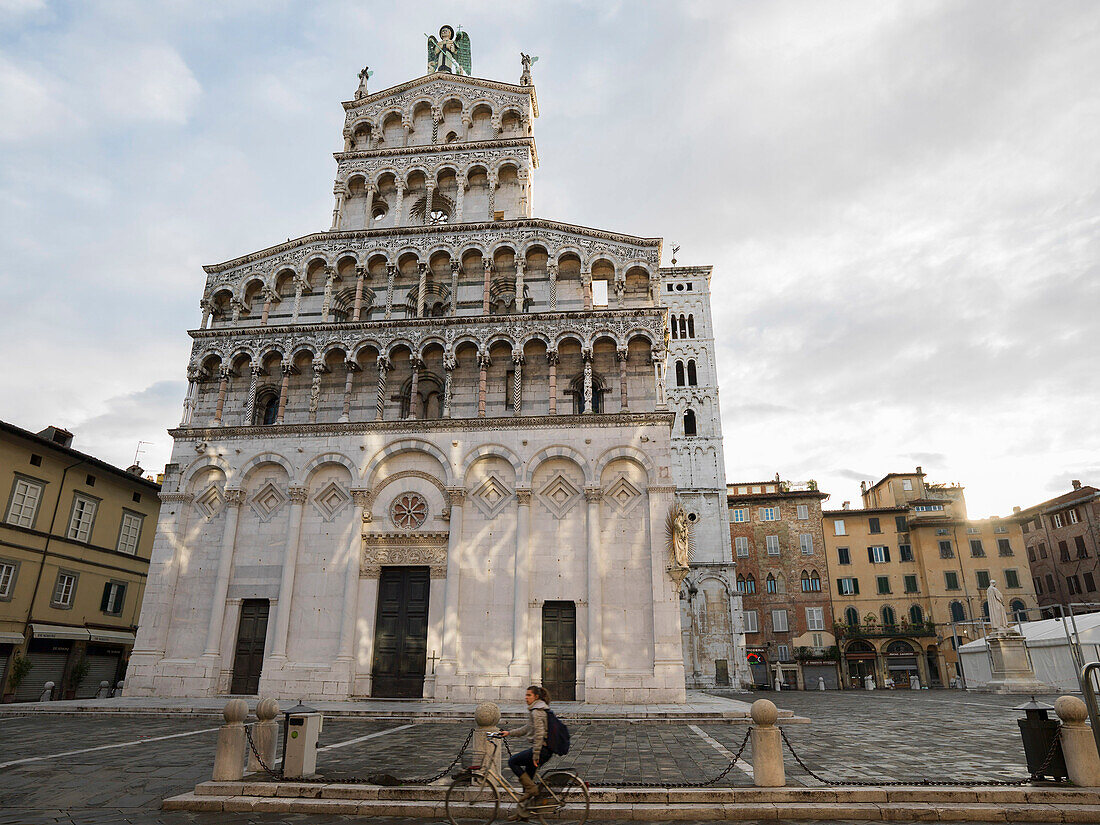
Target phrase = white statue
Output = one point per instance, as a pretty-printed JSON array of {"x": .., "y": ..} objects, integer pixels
[{"x": 998, "y": 616}]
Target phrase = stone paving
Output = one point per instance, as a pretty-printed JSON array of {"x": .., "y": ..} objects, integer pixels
[{"x": 870, "y": 736}]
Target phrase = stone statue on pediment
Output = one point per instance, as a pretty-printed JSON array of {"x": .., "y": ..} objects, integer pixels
[
  {"x": 364, "y": 76},
  {"x": 450, "y": 52}
]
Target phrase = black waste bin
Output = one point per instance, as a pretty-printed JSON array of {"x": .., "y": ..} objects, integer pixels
[{"x": 1039, "y": 733}]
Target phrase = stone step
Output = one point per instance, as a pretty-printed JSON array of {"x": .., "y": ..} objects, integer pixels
[{"x": 823, "y": 809}]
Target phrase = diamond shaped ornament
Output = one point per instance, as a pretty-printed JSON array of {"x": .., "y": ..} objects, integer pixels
[
  {"x": 491, "y": 497},
  {"x": 622, "y": 495},
  {"x": 330, "y": 500},
  {"x": 210, "y": 502},
  {"x": 267, "y": 501},
  {"x": 559, "y": 495}
]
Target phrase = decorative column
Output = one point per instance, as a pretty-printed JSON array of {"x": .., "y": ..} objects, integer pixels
[
  {"x": 620, "y": 292},
  {"x": 351, "y": 367},
  {"x": 326, "y": 301},
  {"x": 552, "y": 363},
  {"x": 288, "y": 370},
  {"x": 206, "y": 308},
  {"x": 223, "y": 388},
  {"x": 449, "y": 364},
  {"x": 399, "y": 207},
  {"x": 517, "y": 383},
  {"x": 238, "y": 307},
  {"x": 414, "y": 392},
  {"x": 485, "y": 288},
  {"x": 455, "y": 267},
  {"x": 659, "y": 377},
  {"x": 391, "y": 273},
  {"x": 467, "y": 123},
  {"x": 407, "y": 125},
  {"x": 189, "y": 400},
  {"x": 448, "y": 663},
  {"x": 492, "y": 195},
  {"x": 383, "y": 368},
  {"x": 421, "y": 288},
  {"x": 586, "y": 285},
  {"x": 233, "y": 501},
  {"x": 621, "y": 354},
  {"x": 594, "y": 660},
  {"x": 587, "y": 356},
  {"x": 270, "y": 297},
  {"x": 357, "y": 309},
  {"x": 315, "y": 390},
  {"x": 372, "y": 191},
  {"x": 483, "y": 362},
  {"x": 524, "y": 195},
  {"x": 437, "y": 118},
  {"x": 552, "y": 271},
  {"x": 250, "y": 400},
  {"x": 521, "y": 661},
  {"x": 290, "y": 563},
  {"x": 350, "y": 605},
  {"x": 349, "y": 140},
  {"x": 461, "y": 198},
  {"x": 338, "y": 210},
  {"x": 299, "y": 287},
  {"x": 520, "y": 303},
  {"x": 429, "y": 195}
]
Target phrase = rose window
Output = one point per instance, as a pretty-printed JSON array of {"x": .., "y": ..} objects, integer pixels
[{"x": 409, "y": 511}]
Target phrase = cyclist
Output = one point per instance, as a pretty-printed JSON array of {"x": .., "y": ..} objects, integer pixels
[{"x": 524, "y": 763}]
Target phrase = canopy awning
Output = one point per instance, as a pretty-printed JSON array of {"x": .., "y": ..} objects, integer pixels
[
  {"x": 56, "y": 631},
  {"x": 118, "y": 637},
  {"x": 11, "y": 638}
]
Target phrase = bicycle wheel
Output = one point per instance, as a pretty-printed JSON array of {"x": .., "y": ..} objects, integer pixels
[
  {"x": 566, "y": 799},
  {"x": 472, "y": 800}
]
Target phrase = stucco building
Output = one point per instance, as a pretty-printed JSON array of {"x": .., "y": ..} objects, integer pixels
[
  {"x": 430, "y": 452},
  {"x": 75, "y": 541},
  {"x": 1062, "y": 536},
  {"x": 910, "y": 571}
]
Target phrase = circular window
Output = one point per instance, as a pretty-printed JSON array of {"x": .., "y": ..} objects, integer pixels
[
  {"x": 438, "y": 216},
  {"x": 679, "y": 287},
  {"x": 693, "y": 516},
  {"x": 409, "y": 511}
]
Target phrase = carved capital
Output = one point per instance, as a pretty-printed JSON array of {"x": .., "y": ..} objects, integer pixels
[
  {"x": 351, "y": 365},
  {"x": 551, "y": 356},
  {"x": 622, "y": 353},
  {"x": 184, "y": 497},
  {"x": 362, "y": 498},
  {"x": 298, "y": 495},
  {"x": 457, "y": 496},
  {"x": 450, "y": 361},
  {"x": 234, "y": 497},
  {"x": 523, "y": 496},
  {"x": 383, "y": 364},
  {"x": 484, "y": 361},
  {"x": 517, "y": 358},
  {"x": 592, "y": 494}
]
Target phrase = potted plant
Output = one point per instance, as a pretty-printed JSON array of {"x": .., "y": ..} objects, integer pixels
[
  {"x": 20, "y": 667},
  {"x": 76, "y": 676}
]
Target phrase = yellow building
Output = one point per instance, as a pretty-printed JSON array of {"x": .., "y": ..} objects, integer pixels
[
  {"x": 75, "y": 540},
  {"x": 909, "y": 574}
]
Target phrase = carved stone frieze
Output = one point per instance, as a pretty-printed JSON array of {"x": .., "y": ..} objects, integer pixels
[
  {"x": 404, "y": 549},
  {"x": 401, "y": 165},
  {"x": 436, "y": 89}
]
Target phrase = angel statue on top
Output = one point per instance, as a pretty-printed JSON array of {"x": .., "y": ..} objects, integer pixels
[{"x": 450, "y": 53}]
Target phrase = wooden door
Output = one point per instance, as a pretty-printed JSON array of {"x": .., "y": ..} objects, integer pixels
[
  {"x": 401, "y": 633},
  {"x": 248, "y": 659},
  {"x": 559, "y": 650}
]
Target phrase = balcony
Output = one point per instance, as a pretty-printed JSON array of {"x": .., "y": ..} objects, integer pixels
[{"x": 870, "y": 631}]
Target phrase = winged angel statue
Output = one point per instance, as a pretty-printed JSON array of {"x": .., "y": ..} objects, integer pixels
[{"x": 450, "y": 53}]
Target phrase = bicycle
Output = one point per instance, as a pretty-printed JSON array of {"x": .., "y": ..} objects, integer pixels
[{"x": 473, "y": 798}]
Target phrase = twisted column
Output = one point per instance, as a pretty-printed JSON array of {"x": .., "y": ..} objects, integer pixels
[
  {"x": 517, "y": 383},
  {"x": 414, "y": 392},
  {"x": 421, "y": 288},
  {"x": 552, "y": 271},
  {"x": 483, "y": 362},
  {"x": 351, "y": 368},
  {"x": 461, "y": 199},
  {"x": 288, "y": 369},
  {"x": 383, "y": 368},
  {"x": 492, "y": 196},
  {"x": 455, "y": 267},
  {"x": 223, "y": 388},
  {"x": 357, "y": 309},
  {"x": 391, "y": 273},
  {"x": 428, "y": 197},
  {"x": 437, "y": 118},
  {"x": 520, "y": 304},
  {"x": 250, "y": 400},
  {"x": 587, "y": 355},
  {"x": 449, "y": 364},
  {"x": 552, "y": 362},
  {"x": 622, "y": 354}
]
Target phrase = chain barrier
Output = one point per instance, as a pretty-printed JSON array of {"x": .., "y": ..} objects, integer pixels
[
  {"x": 965, "y": 783},
  {"x": 274, "y": 774}
]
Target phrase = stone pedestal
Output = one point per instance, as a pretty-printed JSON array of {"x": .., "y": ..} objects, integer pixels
[{"x": 1012, "y": 671}]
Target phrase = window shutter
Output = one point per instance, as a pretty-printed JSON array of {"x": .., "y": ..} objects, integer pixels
[
  {"x": 121, "y": 597},
  {"x": 871, "y": 554},
  {"x": 840, "y": 587},
  {"x": 855, "y": 585},
  {"x": 103, "y": 603},
  {"x": 886, "y": 550}
]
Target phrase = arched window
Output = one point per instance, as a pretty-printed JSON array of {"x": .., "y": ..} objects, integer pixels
[
  {"x": 267, "y": 409},
  {"x": 889, "y": 618},
  {"x": 691, "y": 326},
  {"x": 746, "y": 584},
  {"x": 851, "y": 617},
  {"x": 958, "y": 612},
  {"x": 1019, "y": 610},
  {"x": 815, "y": 582},
  {"x": 689, "y": 422},
  {"x": 679, "y": 373},
  {"x": 916, "y": 615},
  {"x": 692, "y": 375},
  {"x": 683, "y": 327},
  {"x": 576, "y": 389},
  {"x": 769, "y": 584}
]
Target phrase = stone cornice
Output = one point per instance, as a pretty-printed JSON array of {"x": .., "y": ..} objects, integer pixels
[
  {"x": 495, "y": 322},
  {"x": 423, "y": 80},
  {"x": 429, "y": 232},
  {"x": 436, "y": 149},
  {"x": 593, "y": 420}
]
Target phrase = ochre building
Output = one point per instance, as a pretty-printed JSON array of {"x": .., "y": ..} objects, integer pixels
[{"x": 75, "y": 541}]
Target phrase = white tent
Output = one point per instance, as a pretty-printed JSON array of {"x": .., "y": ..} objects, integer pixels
[{"x": 1048, "y": 648}]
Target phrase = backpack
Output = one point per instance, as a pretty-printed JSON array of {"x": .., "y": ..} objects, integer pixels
[{"x": 557, "y": 734}]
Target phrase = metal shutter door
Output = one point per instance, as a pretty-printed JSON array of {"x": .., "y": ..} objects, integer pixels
[
  {"x": 48, "y": 667},
  {"x": 101, "y": 668}
]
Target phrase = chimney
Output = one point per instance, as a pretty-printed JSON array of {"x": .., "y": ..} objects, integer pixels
[
  {"x": 58, "y": 436},
  {"x": 846, "y": 505},
  {"x": 135, "y": 470},
  {"x": 1076, "y": 484},
  {"x": 863, "y": 486},
  {"x": 1015, "y": 509},
  {"x": 920, "y": 472}
]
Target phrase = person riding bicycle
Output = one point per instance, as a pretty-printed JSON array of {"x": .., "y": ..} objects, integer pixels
[{"x": 524, "y": 763}]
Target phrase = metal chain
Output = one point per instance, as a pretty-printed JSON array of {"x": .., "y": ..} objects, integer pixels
[
  {"x": 923, "y": 782},
  {"x": 442, "y": 773},
  {"x": 270, "y": 771}
]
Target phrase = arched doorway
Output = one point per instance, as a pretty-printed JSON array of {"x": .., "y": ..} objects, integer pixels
[
  {"x": 901, "y": 663},
  {"x": 860, "y": 658}
]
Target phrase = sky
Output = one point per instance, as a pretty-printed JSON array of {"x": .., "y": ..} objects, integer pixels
[{"x": 900, "y": 201}]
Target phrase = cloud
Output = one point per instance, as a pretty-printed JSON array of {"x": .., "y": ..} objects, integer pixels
[{"x": 28, "y": 102}]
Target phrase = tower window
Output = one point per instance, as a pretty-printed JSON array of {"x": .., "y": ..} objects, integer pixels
[
  {"x": 679, "y": 373},
  {"x": 692, "y": 376},
  {"x": 689, "y": 422}
]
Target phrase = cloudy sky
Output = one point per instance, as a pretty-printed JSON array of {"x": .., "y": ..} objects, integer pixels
[{"x": 899, "y": 198}]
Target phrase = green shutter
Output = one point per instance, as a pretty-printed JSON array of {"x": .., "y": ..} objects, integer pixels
[{"x": 106, "y": 597}]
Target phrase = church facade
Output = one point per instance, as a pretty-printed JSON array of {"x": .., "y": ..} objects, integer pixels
[{"x": 430, "y": 452}]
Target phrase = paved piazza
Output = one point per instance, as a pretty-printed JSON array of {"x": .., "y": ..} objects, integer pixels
[{"x": 886, "y": 736}]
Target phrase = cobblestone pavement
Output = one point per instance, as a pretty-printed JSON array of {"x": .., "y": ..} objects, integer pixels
[{"x": 868, "y": 736}]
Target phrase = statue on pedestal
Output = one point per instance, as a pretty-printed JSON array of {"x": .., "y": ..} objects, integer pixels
[
  {"x": 450, "y": 53},
  {"x": 998, "y": 616}
]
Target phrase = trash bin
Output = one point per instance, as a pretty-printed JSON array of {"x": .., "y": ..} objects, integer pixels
[{"x": 1039, "y": 732}]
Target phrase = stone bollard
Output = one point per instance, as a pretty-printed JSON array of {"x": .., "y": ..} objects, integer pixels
[
  {"x": 231, "y": 747},
  {"x": 487, "y": 716},
  {"x": 47, "y": 692},
  {"x": 1078, "y": 744},
  {"x": 118, "y": 688},
  {"x": 265, "y": 735},
  {"x": 104, "y": 690},
  {"x": 821, "y": 683},
  {"x": 767, "y": 746}
]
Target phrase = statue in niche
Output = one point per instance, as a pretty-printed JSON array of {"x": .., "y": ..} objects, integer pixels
[
  {"x": 450, "y": 53},
  {"x": 364, "y": 76},
  {"x": 680, "y": 540},
  {"x": 998, "y": 616}
]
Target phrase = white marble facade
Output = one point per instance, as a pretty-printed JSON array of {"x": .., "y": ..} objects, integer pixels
[{"x": 437, "y": 383}]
